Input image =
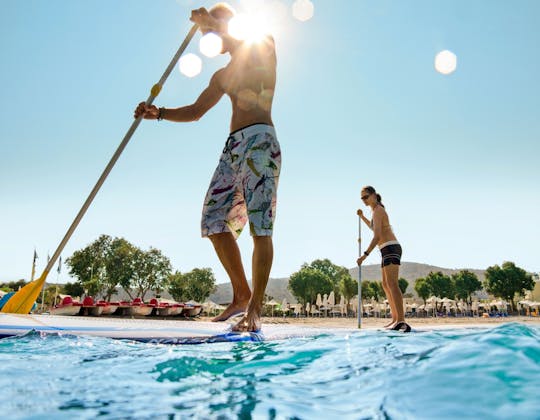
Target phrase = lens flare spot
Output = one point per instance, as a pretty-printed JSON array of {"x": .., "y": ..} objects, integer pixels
[
  {"x": 210, "y": 45},
  {"x": 246, "y": 99},
  {"x": 303, "y": 10},
  {"x": 445, "y": 62},
  {"x": 190, "y": 65}
]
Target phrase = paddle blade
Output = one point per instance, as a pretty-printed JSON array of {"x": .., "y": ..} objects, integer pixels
[{"x": 22, "y": 301}]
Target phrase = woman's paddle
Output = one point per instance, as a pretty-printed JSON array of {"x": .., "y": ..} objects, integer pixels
[
  {"x": 22, "y": 301},
  {"x": 359, "y": 272}
]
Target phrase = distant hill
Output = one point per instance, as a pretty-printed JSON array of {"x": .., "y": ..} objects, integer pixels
[
  {"x": 410, "y": 271},
  {"x": 277, "y": 288}
]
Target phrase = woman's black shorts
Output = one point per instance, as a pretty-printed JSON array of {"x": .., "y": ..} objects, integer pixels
[{"x": 391, "y": 254}]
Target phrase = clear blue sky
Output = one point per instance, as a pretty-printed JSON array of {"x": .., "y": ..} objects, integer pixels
[{"x": 358, "y": 102}]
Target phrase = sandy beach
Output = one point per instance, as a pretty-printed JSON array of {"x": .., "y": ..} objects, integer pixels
[{"x": 441, "y": 322}]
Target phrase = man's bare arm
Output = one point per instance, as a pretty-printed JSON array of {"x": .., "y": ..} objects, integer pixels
[{"x": 207, "y": 99}]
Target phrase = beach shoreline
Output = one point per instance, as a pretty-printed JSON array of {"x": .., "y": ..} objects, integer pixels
[{"x": 370, "y": 323}]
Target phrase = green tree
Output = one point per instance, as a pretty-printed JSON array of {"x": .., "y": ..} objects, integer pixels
[
  {"x": 507, "y": 281},
  {"x": 441, "y": 286},
  {"x": 86, "y": 264},
  {"x": 403, "y": 284},
  {"x": 12, "y": 286},
  {"x": 93, "y": 287},
  {"x": 422, "y": 288},
  {"x": 348, "y": 287},
  {"x": 367, "y": 290},
  {"x": 378, "y": 291},
  {"x": 177, "y": 287},
  {"x": 72, "y": 289},
  {"x": 195, "y": 285},
  {"x": 306, "y": 283},
  {"x": 372, "y": 289},
  {"x": 151, "y": 271},
  {"x": 333, "y": 271},
  {"x": 118, "y": 266},
  {"x": 466, "y": 283}
]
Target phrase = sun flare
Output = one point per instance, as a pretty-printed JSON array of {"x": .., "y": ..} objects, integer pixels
[{"x": 250, "y": 28}]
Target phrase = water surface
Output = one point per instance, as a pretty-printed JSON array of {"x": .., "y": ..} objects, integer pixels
[{"x": 461, "y": 373}]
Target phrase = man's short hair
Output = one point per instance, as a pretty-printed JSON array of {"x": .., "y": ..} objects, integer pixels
[{"x": 222, "y": 11}]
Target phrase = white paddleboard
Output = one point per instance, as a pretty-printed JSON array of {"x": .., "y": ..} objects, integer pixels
[{"x": 149, "y": 330}]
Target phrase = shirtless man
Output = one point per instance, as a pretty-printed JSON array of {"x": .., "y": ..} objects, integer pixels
[{"x": 243, "y": 188}]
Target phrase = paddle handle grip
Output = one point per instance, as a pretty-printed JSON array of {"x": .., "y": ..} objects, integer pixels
[{"x": 153, "y": 93}]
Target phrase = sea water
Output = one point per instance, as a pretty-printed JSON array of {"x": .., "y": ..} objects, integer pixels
[{"x": 459, "y": 373}]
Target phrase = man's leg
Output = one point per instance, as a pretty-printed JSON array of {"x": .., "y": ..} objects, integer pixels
[
  {"x": 229, "y": 255},
  {"x": 263, "y": 254}
]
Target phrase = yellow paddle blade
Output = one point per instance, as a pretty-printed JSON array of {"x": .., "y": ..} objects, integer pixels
[{"x": 22, "y": 301}]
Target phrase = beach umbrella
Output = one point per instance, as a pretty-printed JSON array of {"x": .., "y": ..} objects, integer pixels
[
  {"x": 208, "y": 306},
  {"x": 331, "y": 299},
  {"x": 307, "y": 308},
  {"x": 318, "y": 302},
  {"x": 272, "y": 303},
  {"x": 284, "y": 306},
  {"x": 324, "y": 304}
]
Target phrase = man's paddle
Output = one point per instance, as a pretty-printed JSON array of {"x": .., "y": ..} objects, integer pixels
[{"x": 22, "y": 301}]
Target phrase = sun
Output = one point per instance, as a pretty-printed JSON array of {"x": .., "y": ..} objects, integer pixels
[{"x": 250, "y": 28}]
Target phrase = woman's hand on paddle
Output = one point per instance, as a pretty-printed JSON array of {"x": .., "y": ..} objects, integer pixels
[
  {"x": 360, "y": 260},
  {"x": 359, "y": 212},
  {"x": 148, "y": 112}
]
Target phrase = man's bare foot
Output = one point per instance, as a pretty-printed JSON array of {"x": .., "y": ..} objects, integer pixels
[
  {"x": 233, "y": 309},
  {"x": 390, "y": 325},
  {"x": 250, "y": 322}
]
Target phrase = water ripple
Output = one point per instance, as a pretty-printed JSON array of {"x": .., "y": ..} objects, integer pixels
[{"x": 465, "y": 373}]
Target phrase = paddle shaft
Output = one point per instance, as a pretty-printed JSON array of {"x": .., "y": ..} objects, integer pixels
[
  {"x": 154, "y": 93},
  {"x": 359, "y": 272}
]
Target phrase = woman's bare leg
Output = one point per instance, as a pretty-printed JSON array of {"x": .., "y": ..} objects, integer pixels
[
  {"x": 392, "y": 274},
  {"x": 386, "y": 289}
]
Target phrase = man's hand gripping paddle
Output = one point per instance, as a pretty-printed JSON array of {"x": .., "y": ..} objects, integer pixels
[{"x": 22, "y": 301}]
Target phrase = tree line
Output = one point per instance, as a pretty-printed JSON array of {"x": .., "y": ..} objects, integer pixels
[
  {"x": 109, "y": 263},
  {"x": 322, "y": 277}
]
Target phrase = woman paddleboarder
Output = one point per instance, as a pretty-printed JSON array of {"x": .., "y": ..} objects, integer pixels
[{"x": 384, "y": 238}]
